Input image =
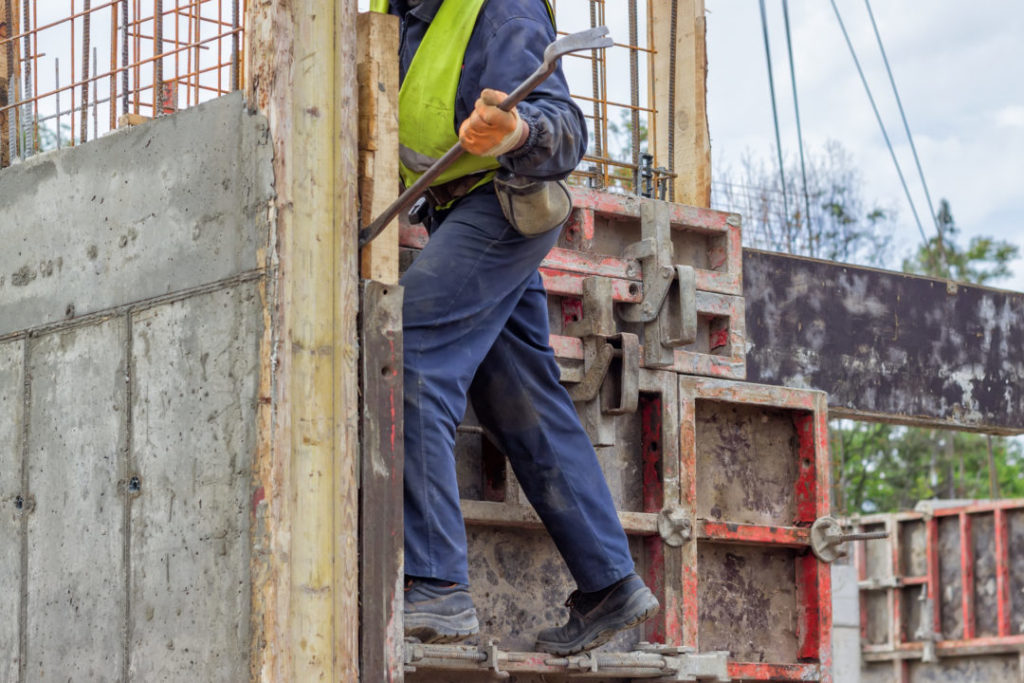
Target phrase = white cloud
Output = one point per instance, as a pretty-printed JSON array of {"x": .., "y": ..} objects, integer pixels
[{"x": 1011, "y": 116}]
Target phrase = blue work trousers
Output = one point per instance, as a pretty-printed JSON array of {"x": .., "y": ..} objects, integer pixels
[{"x": 476, "y": 324}]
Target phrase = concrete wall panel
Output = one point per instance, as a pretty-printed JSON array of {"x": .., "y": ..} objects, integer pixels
[
  {"x": 76, "y": 576},
  {"x": 194, "y": 397},
  {"x": 176, "y": 203},
  {"x": 11, "y": 408}
]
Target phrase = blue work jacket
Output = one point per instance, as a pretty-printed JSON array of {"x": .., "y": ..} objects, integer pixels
[{"x": 506, "y": 47}]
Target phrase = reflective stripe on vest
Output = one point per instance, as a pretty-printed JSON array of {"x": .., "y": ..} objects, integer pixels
[
  {"x": 426, "y": 101},
  {"x": 379, "y": 6}
]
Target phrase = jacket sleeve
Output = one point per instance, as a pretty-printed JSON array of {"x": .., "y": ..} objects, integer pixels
[{"x": 558, "y": 132}]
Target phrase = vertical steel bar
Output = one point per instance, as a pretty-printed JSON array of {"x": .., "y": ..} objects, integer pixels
[
  {"x": 688, "y": 488},
  {"x": 112, "y": 85},
  {"x": 860, "y": 561},
  {"x": 35, "y": 75},
  {"x": 86, "y": 39},
  {"x": 158, "y": 61},
  {"x": 967, "y": 574},
  {"x": 26, "y": 122},
  {"x": 220, "y": 48},
  {"x": 56, "y": 94},
  {"x": 95, "y": 94},
  {"x": 197, "y": 71},
  {"x": 235, "y": 43},
  {"x": 1003, "y": 605},
  {"x": 651, "y": 430},
  {"x": 12, "y": 119},
  {"x": 598, "y": 140},
  {"x": 932, "y": 559},
  {"x": 73, "y": 82},
  {"x": 124, "y": 57},
  {"x": 634, "y": 96},
  {"x": 177, "y": 48},
  {"x": 137, "y": 52},
  {"x": 896, "y": 632},
  {"x": 674, "y": 19}
]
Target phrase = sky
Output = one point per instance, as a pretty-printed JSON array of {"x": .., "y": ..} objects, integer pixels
[{"x": 959, "y": 70}]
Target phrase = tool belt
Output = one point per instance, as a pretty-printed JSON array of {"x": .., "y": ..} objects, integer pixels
[{"x": 445, "y": 193}]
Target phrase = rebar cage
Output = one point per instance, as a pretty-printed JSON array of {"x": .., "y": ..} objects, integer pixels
[{"x": 72, "y": 70}]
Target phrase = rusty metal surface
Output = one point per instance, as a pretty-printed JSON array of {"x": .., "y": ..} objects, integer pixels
[
  {"x": 745, "y": 464},
  {"x": 381, "y": 481},
  {"x": 964, "y": 560},
  {"x": 748, "y": 603},
  {"x": 887, "y": 345}
]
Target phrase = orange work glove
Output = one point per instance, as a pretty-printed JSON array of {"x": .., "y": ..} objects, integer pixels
[{"x": 489, "y": 131}]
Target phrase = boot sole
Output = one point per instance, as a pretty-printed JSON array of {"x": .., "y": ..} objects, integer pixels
[
  {"x": 430, "y": 628},
  {"x": 639, "y": 608}
]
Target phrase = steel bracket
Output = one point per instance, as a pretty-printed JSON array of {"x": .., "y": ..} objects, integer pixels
[
  {"x": 656, "y": 254},
  {"x": 689, "y": 665},
  {"x": 827, "y": 535},
  {"x": 674, "y": 526},
  {"x": 491, "y": 652}
]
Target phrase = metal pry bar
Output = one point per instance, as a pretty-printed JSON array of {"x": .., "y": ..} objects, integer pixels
[{"x": 592, "y": 39}]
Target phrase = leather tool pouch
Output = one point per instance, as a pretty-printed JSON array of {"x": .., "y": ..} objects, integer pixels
[{"x": 533, "y": 207}]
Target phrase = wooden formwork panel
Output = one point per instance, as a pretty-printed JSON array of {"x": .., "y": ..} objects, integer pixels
[{"x": 947, "y": 582}]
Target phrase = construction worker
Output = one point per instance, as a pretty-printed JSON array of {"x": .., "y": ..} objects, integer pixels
[{"x": 476, "y": 317}]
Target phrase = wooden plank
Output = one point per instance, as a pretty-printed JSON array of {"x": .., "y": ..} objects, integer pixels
[
  {"x": 885, "y": 345},
  {"x": 686, "y": 121},
  {"x": 377, "y": 72},
  {"x": 381, "y": 493}
]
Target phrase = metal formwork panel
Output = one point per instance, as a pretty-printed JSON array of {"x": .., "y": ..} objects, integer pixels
[
  {"x": 946, "y": 583},
  {"x": 597, "y": 241},
  {"x": 758, "y": 477}
]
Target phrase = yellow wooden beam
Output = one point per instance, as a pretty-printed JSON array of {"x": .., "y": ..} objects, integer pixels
[
  {"x": 683, "y": 80},
  {"x": 378, "y": 138},
  {"x": 301, "y": 65}
]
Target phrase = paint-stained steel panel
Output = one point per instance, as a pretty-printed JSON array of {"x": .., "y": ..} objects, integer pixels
[
  {"x": 886, "y": 345},
  {"x": 760, "y": 592},
  {"x": 12, "y": 505},
  {"x": 76, "y": 568},
  {"x": 193, "y": 407},
  {"x": 955, "y": 589}
]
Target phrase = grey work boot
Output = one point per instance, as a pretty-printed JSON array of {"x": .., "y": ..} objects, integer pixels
[
  {"x": 595, "y": 617},
  {"x": 436, "y": 612}
]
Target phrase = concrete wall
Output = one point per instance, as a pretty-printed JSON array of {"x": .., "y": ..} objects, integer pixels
[{"x": 131, "y": 315}]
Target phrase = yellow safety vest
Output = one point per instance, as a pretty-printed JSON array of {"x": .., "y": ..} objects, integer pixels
[{"x": 426, "y": 100}]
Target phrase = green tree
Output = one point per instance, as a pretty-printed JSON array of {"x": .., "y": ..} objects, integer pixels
[
  {"x": 982, "y": 261},
  {"x": 883, "y": 468}
]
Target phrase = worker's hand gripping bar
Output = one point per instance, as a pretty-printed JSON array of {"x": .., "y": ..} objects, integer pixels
[{"x": 591, "y": 39}]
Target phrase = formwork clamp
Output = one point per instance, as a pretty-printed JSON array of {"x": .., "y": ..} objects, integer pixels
[
  {"x": 689, "y": 665},
  {"x": 602, "y": 346},
  {"x": 668, "y": 310}
]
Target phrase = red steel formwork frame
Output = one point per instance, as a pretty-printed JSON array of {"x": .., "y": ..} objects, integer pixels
[
  {"x": 944, "y": 562},
  {"x": 810, "y": 500},
  {"x": 687, "y": 412}
]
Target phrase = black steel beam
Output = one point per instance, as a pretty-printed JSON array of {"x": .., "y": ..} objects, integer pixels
[{"x": 885, "y": 345}]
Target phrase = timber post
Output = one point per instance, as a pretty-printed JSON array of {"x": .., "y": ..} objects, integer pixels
[
  {"x": 302, "y": 76},
  {"x": 679, "y": 72}
]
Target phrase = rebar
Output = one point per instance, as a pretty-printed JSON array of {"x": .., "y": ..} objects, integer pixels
[{"x": 86, "y": 24}]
